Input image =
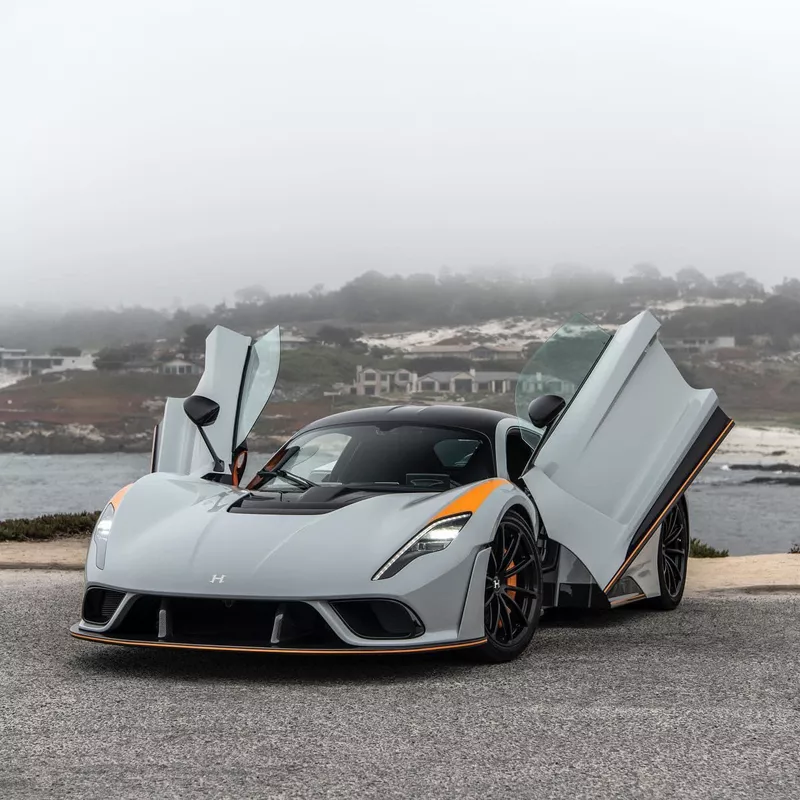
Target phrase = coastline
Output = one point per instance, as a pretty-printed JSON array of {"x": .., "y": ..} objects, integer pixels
[{"x": 760, "y": 445}]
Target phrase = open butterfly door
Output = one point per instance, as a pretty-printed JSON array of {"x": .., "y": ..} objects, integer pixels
[
  {"x": 239, "y": 375},
  {"x": 631, "y": 439}
]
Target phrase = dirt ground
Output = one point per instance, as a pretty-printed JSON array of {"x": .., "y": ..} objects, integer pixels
[
  {"x": 57, "y": 554},
  {"x": 742, "y": 572}
]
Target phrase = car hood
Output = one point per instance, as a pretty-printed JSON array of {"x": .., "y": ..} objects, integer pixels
[{"x": 176, "y": 535}]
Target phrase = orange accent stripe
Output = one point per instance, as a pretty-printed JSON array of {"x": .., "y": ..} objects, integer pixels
[
  {"x": 627, "y": 600},
  {"x": 652, "y": 528},
  {"x": 471, "y": 500},
  {"x": 117, "y": 498},
  {"x": 289, "y": 651}
]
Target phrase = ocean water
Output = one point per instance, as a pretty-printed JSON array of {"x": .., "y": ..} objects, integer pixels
[{"x": 730, "y": 508}]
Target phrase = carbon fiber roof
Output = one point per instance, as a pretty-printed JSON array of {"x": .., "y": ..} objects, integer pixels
[{"x": 483, "y": 420}]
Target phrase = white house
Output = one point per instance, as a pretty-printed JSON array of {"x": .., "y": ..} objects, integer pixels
[
  {"x": 470, "y": 382},
  {"x": 18, "y": 362},
  {"x": 371, "y": 381},
  {"x": 180, "y": 367},
  {"x": 11, "y": 352},
  {"x": 293, "y": 341},
  {"x": 699, "y": 344}
]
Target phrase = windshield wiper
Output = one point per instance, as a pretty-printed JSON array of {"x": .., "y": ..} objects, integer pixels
[{"x": 278, "y": 472}]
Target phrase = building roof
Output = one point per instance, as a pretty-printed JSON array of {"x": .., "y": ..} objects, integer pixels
[
  {"x": 179, "y": 362},
  {"x": 481, "y": 375},
  {"x": 404, "y": 370},
  {"x": 32, "y": 359},
  {"x": 445, "y": 376},
  {"x": 498, "y": 348}
]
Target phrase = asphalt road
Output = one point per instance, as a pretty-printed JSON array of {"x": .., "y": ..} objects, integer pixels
[{"x": 701, "y": 702}]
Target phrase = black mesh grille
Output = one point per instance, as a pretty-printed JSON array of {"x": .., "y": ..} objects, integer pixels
[
  {"x": 99, "y": 605},
  {"x": 379, "y": 619}
]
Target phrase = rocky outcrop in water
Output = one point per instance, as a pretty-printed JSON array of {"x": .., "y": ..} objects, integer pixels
[
  {"x": 38, "y": 438},
  {"x": 48, "y": 439}
]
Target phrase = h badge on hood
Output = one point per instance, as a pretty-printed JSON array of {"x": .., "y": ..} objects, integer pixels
[{"x": 217, "y": 579}]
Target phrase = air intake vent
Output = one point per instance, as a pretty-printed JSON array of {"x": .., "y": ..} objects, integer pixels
[
  {"x": 99, "y": 605},
  {"x": 226, "y": 622},
  {"x": 379, "y": 619}
]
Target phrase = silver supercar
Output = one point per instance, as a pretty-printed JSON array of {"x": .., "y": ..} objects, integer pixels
[{"x": 405, "y": 529}]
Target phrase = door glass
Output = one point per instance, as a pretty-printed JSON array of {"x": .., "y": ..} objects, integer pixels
[
  {"x": 518, "y": 452},
  {"x": 560, "y": 366},
  {"x": 259, "y": 381}
]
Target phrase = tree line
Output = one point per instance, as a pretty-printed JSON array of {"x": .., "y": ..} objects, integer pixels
[{"x": 426, "y": 300}]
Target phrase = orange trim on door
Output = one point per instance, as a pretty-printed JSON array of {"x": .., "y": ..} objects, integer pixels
[
  {"x": 654, "y": 526},
  {"x": 471, "y": 500}
]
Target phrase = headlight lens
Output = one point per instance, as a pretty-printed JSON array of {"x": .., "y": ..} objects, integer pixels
[
  {"x": 430, "y": 539},
  {"x": 101, "y": 530}
]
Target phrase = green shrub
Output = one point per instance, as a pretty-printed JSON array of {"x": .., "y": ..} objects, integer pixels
[
  {"x": 49, "y": 526},
  {"x": 698, "y": 549}
]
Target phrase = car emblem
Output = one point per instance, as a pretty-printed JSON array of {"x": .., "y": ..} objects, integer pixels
[{"x": 217, "y": 579}]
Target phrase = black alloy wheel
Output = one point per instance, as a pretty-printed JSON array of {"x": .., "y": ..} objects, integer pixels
[
  {"x": 513, "y": 595},
  {"x": 673, "y": 556}
]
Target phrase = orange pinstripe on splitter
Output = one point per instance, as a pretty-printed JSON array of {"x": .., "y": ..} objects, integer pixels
[
  {"x": 286, "y": 651},
  {"x": 471, "y": 500},
  {"x": 117, "y": 498},
  {"x": 626, "y": 600}
]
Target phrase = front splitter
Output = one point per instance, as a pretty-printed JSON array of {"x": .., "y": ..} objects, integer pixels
[{"x": 79, "y": 634}]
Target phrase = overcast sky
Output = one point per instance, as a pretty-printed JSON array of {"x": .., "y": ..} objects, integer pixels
[{"x": 153, "y": 150}]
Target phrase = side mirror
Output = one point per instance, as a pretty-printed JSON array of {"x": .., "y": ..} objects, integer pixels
[
  {"x": 201, "y": 410},
  {"x": 544, "y": 410},
  {"x": 204, "y": 412}
]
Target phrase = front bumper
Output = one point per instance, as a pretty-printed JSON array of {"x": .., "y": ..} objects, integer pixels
[{"x": 366, "y": 625}]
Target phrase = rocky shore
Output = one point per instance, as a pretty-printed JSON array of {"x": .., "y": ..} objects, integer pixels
[
  {"x": 36, "y": 438},
  {"x": 776, "y": 449}
]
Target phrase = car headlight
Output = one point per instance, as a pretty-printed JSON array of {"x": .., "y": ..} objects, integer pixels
[
  {"x": 431, "y": 539},
  {"x": 101, "y": 530}
]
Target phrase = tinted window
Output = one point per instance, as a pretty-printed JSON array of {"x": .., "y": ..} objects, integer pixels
[
  {"x": 518, "y": 454},
  {"x": 406, "y": 455},
  {"x": 455, "y": 453}
]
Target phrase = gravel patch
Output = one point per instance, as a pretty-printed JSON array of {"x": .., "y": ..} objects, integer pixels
[{"x": 703, "y": 702}]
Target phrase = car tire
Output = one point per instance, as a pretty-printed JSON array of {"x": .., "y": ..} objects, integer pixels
[
  {"x": 513, "y": 591},
  {"x": 673, "y": 557}
]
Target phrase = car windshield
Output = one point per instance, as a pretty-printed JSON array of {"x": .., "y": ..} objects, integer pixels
[{"x": 415, "y": 457}]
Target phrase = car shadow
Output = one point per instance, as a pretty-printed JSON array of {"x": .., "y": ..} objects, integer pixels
[
  {"x": 277, "y": 668},
  {"x": 288, "y": 669},
  {"x": 593, "y": 617}
]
